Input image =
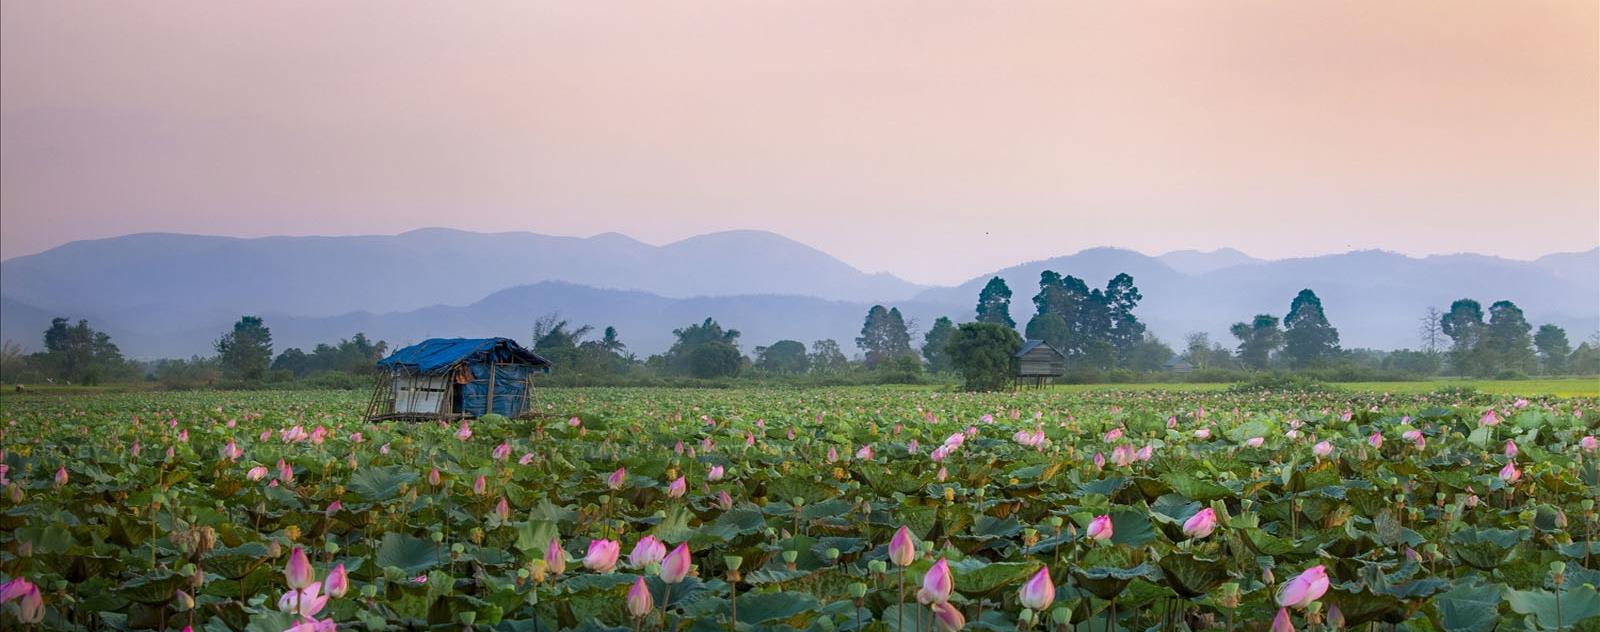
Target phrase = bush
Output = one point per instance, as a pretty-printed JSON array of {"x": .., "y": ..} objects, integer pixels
[{"x": 982, "y": 353}]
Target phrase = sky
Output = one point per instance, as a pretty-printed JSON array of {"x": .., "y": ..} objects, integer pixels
[{"x": 934, "y": 140}]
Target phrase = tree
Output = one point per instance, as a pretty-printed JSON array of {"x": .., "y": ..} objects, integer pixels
[
  {"x": 1307, "y": 336},
  {"x": 981, "y": 352},
  {"x": 246, "y": 352},
  {"x": 714, "y": 359},
  {"x": 827, "y": 358},
  {"x": 1585, "y": 360},
  {"x": 1429, "y": 332},
  {"x": 994, "y": 303},
  {"x": 883, "y": 335},
  {"x": 1506, "y": 339},
  {"x": 611, "y": 343},
  {"x": 1464, "y": 325},
  {"x": 680, "y": 358},
  {"x": 1421, "y": 363},
  {"x": 357, "y": 354},
  {"x": 934, "y": 343},
  {"x": 1554, "y": 349},
  {"x": 1257, "y": 340},
  {"x": 1123, "y": 329},
  {"x": 1148, "y": 355},
  {"x": 80, "y": 355},
  {"x": 1204, "y": 354},
  {"x": 1091, "y": 327},
  {"x": 784, "y": 356}
]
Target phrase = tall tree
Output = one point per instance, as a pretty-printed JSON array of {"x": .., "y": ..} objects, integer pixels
[
  {"x": 994, "y": 303},
  {"x": 1123, "y": 330},
  {"x": 1257, "y": 340},
  {"x": 883, "y": 335},
  {"x": 784, "y": 356},
  {"x": 1428, "y": 331},
  {"x": 982, "y": 353},
  {"x": 680, "y": 358},
  {"x": 934, "y": 343},
  {"x": 246, "y": 352},
  {"x": 1507, "y": 339},
  {"x": 79, "y": 354},
  {"x": 1554, "y": 349},
  {"x": 1464, "y": 325},
  {"x": 826, "y": 357},
  {"x": 1307, "y": 336}
]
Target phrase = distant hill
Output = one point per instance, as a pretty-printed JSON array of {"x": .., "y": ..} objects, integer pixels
[
  {"x": 1201, "y": 262},
  {"x": 324, "y": 276},
  {"x": 172, "y": 295}
]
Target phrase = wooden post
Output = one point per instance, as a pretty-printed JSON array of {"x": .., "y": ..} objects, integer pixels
[{"x": 488, "y": 407}]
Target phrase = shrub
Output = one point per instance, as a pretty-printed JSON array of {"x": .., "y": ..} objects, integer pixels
[{"x": 981, "y": 352}]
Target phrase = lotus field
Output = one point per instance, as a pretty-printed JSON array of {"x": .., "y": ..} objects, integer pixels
[{"x": 830, "y": 509}]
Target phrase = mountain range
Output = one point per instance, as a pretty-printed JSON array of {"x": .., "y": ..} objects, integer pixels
[{"x": 166, "y": 295}]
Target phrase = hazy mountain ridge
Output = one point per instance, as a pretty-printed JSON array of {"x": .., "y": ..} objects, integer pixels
[{"x": 174, "y": 294}]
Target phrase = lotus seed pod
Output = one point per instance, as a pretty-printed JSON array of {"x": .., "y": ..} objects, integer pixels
[
  {"x": 878, "y": 566},
  {"x": 438, "y": 536},
  {"x": 369, "y": 591},
  {"x": 833, "y": 554},
  {"x": 858, "y": 590},
  {"x": 789, "y": 556},
  {"x": 733, "y": 562},
  {"x": 1061, "y": 615}
]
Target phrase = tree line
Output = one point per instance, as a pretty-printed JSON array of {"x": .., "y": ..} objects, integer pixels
[{"x": 1096, "y": 329}]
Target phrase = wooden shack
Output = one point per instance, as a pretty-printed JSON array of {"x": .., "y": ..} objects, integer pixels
[
  {"x": 456, "y": 378},
  {"x": 1037, "y": 362}
]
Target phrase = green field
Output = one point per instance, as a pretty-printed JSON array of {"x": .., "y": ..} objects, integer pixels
[{"x": 145, "y": 510}]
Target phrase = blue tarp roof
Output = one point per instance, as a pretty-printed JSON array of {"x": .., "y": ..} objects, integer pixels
[{"x": 437, "y": 354}]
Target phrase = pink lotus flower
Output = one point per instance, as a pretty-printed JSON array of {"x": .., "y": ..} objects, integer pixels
[
  {"x": 14, "y": 589},
  {"x": 1201, "y": 524},
  {"x": 298, "y": 572},
  {"x": 902, "y": 547},
  {"x": 231, "y": 451},
  {"x": 1203, "y": 433},
  {"x": 1520, "y": 404},
  {"x": 502, "y": 509},
  {"x": 833, "y": 454},
  {"x": 501, "y": 452},
  {"x": 1589, "y": 443},
  {"x": 1122, "y": 455},
  {"x": 355, "y": 437},
  {"x": 676, "y": 565},
  {"x": 1099, "y": 529},
  {"x": 1113, "y": 435},
  {"x": 555, "y": 557},
  {"x": 433, "y": 477},
  {"x": 30, "y": 606},
  {"x": 865, "y": 453},
  {"x": 1255, "y": 442},
  {"x": 333, "y": 508},
  {"x": 310, "y": 625},
  {"x": 1415, "y": 437},
  {"x": 480, "y": 486},
  {"x": 937, "y": 583},
  {"x": 1375, "y": 440},
  {"x": 464, "y": 432},
  {"x": 420, "y": 580},
  {"x": 1281, "y": 622},
  {"x": 1489, "y": 418},
  {"x": 526, "y": 459},
  {"x": 1304, "y": 588},
  {"x": 1511, "y": 449},
  {"x": 677, "y": 488},
  {"x": 61, "y": 476},
  {"x": 1038, "y": 593},
  {"x": 317, "y": 436},
  {"x": 383, "y": 449},
  {"x": 942, "y": 473},
  {"x": 1099, "y": 460},
  {"x": 640, "y": 603},
  {"x": 306, "y": 602},
  {"x": 574, "y": 422},
  {"x": 338, "y": 582},
  {"x": 285, "y": 471},
  {"x": 648, "y": 551},
  {"x": 947, "y": 618},
  {"x": 724, "y": 500},
  {"x": 1322, "y": 449},
  {"x": 256, "y": 473},
  {"x": 602, "y": 555},
  {"x": 1510, "y": 473},
  {"x": 715, "y": 474}
]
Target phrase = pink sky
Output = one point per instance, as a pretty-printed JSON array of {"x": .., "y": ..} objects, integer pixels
[{"x": 935, "y": 140}]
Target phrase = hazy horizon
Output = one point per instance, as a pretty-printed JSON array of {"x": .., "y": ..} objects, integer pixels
[{"x": 931, "y": 142}]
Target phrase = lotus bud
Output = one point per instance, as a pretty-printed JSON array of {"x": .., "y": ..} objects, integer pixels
[
  {"x": 676, "y": 565},
  {"x": 902, "y": 547},
  {"x": 185, "y": 602},
  {"x": 937, "y": 583},
  {"x": 337, "y": 583},
  {"x": 1039, "y": 592},
  {"x": 298, "y": 572},
  {"x": 947, "y": 618},
  {"x": 602, "y": 555},
  {"x": 1304, "y": 588},
  {"x": 640, "y": 603},
  {"x": 1099, "y": 529},
  {"x": 1281, "y": 622}
]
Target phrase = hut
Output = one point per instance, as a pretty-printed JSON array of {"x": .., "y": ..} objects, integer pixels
[
  {"x": 1037, "y": 361},
  {"x": 456, "y": 378},
  {"x": 1178, "y": 365}
]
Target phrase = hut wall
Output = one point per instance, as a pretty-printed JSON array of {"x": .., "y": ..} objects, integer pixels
[
  {"x": 1041, "y": 362},
  {"x": 420, "y": 393}
]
